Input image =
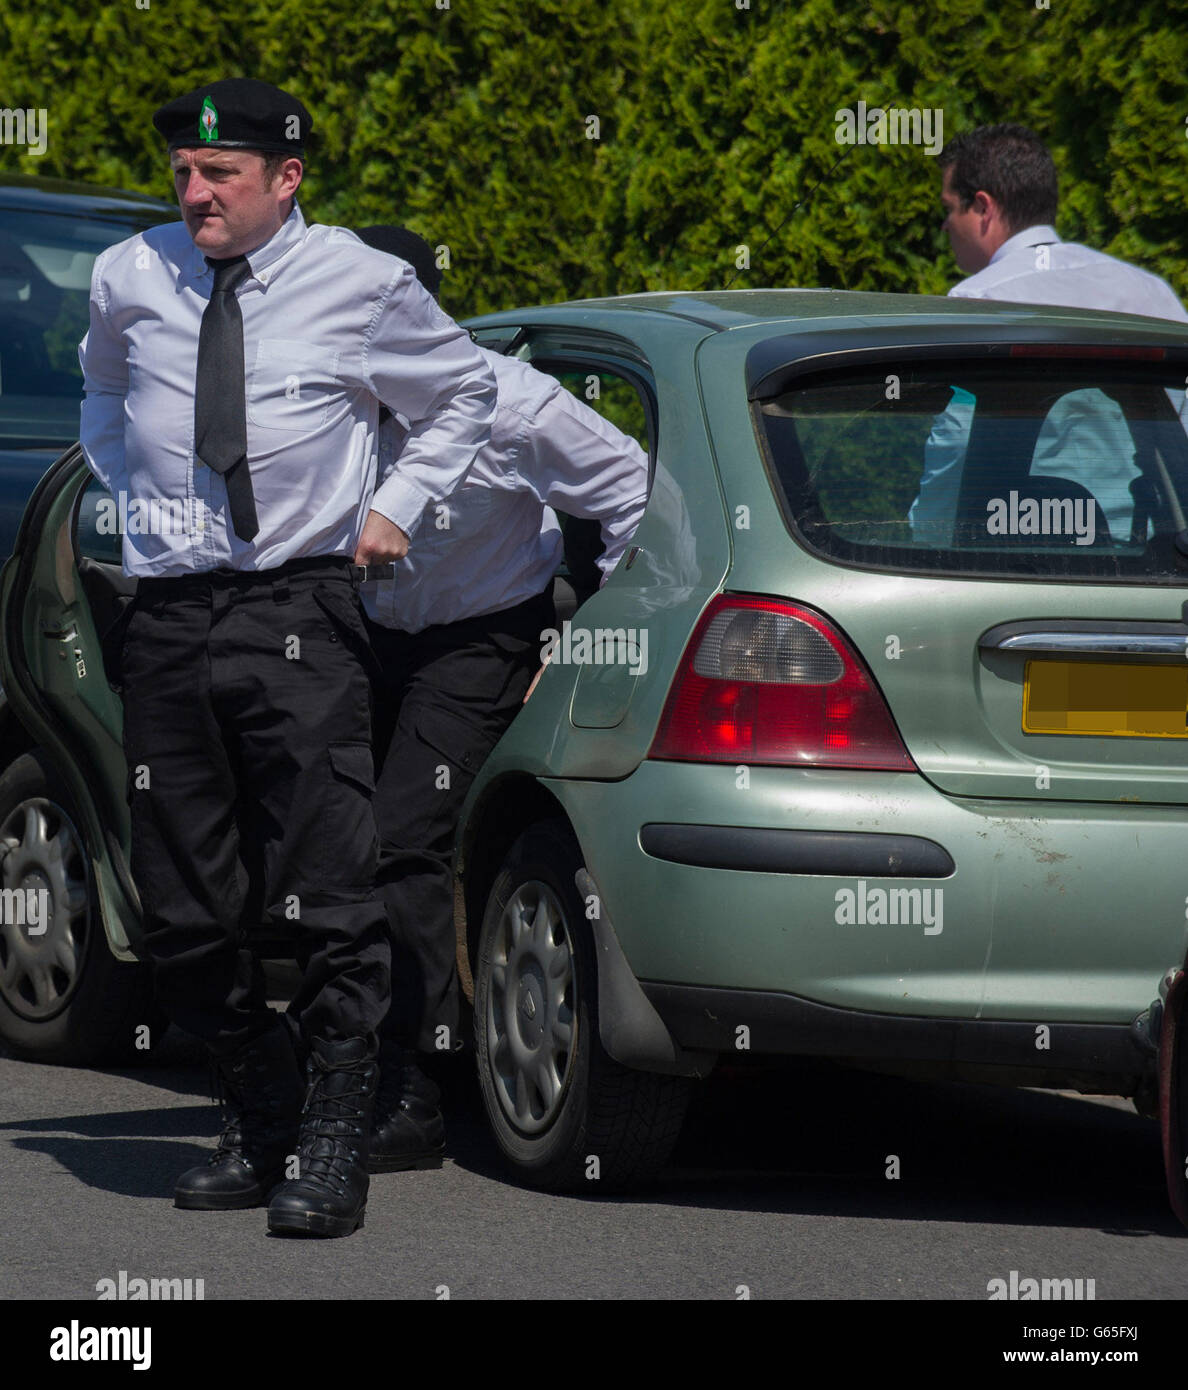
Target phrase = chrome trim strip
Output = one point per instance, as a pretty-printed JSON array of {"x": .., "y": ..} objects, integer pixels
[{"x": 1096, "y": 643}]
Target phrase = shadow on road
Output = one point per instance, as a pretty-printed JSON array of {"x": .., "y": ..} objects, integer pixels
[
  {"x": 810, "y": 1138},
  {"x": 818, "y": 1138},
  {"x": 129, "y": 1167}
]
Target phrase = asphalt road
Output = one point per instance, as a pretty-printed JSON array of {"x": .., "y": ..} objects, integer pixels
[{"x": 778, "y": 1184}]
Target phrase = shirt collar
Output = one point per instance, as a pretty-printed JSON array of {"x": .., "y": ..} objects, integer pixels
[
  {"x": 265, "y": 259},
  {"x": 1029, "y": 236}
]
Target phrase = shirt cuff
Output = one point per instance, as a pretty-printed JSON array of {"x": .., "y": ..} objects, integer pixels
[{"x": 401, "y": 501}]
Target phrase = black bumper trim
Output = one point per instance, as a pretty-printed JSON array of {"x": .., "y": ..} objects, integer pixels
[
  {"x": 773, "y": 851},
  {"x": 787, "y": 1025}
]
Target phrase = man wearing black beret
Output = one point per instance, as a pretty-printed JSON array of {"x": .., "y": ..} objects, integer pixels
[{"x": 239, "y": 361}]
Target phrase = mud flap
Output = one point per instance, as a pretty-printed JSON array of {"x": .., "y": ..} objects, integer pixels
[
  {"x": 1173, "y": 1094},
  {"x": 631, "y": 1030}
]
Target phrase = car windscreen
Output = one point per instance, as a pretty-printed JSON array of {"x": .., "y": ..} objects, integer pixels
[
  {"x": 1029, "y": 465},
  {"x": 45, "y": 283}
]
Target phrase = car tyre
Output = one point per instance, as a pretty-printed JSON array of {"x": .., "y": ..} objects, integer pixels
[
  {"x": 64, "y": 998},
  {"x": 554, "y": 1099}
]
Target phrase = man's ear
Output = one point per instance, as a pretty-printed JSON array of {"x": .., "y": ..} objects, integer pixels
[
  {"x": 292, "y": 170},
  {"x": 988, "y": 207}
]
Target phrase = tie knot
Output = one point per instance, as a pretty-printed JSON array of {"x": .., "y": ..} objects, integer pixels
[{"x": 229, "y": 274}]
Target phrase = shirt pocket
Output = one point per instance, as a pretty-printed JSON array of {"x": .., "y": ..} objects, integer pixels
[{"x": 292, "y": 385}]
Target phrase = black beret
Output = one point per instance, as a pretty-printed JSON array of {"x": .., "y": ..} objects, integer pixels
[
  {"x": 237, "y": 113},
  {"x": 405, "y": 243}
]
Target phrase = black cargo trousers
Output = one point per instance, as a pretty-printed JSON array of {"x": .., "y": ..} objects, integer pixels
[
  {"x": 247, "y": 735},
  {"x": 448, "y": 694}
]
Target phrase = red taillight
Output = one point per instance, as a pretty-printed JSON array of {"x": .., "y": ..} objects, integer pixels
[{"x": 768, "y": 682}]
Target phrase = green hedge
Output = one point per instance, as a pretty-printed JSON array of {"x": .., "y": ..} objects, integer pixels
[{"x": 470, "y": 124}]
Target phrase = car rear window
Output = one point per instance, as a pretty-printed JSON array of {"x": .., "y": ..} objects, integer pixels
[{"x": 1034, "y": 465}]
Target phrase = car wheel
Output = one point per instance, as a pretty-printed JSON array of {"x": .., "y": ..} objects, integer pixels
[
  {"x": 63, "y": 996},
  {"x": 564, "y": 1114}
]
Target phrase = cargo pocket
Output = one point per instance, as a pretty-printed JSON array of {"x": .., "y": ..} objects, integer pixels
[
  {"x": 349, "y": 846},
  {"x": 464, "y": 745},
  {"x": 353, "y": 763},
  {"x": 111, "y": 646}
]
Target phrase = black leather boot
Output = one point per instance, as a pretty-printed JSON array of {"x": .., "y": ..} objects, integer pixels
[
  {"x": 330, "y": 1196},
  {"x": 263, "y": 1091},
  {"x": 408, "y": 1130}
]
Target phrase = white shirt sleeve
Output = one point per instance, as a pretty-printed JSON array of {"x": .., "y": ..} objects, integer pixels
[
  {"x": 420, "y": 363},
  {"x": 580, "y": 464},
  {"x": 1085, "y": 439},
  {"x": 104, "y": 362},
  {"x": 933, "y": 514}
]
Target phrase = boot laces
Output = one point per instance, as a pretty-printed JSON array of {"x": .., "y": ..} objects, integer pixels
[
  {"x": 324, "y": 1119},
  {"x": 236, "y": 1103},
  {"x": 230, "y": 1143}
]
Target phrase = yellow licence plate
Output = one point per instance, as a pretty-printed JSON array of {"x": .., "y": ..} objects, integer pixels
[{"x": 1119, "y": 699}]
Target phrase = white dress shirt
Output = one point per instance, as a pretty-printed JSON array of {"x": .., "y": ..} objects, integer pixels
[
  {"x": 1084, "y": 437},
  {"x": 331, "y": 327},
  {"x": 1036, "y": 267},
  {"x": 497, "y": 541}
]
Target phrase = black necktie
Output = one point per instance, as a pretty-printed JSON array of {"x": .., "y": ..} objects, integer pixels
[{"x": 220, "y": 411}]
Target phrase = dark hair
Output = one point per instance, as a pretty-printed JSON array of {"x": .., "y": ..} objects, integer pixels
[
  {"x": 405, "y": 243},
  {"x": 1009, "y": 162},
  {"x": 273, "y": 159}
]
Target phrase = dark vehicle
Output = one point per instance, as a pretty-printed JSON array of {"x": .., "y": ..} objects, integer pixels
[{"x": 50, "y": 233}]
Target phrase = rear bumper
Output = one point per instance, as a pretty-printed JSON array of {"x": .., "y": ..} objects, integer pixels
[
  {"x": 1032, "y": 913},
  {"x": 741, "y": 1022}
]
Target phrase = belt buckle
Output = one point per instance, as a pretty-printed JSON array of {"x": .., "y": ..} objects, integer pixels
[{"x": 362, "y": 574}]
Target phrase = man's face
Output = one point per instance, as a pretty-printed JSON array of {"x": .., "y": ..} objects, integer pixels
[
  {"x": 226, "y": 201},
  {"x": 974, "y": 234}
]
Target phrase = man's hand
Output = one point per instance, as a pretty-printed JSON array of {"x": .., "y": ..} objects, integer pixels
[
  {"x": 535, "y": 679},
  {"x": 381, "y": 541}
]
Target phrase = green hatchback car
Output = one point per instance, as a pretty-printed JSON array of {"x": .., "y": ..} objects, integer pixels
[{"x": 872, "y": 748}]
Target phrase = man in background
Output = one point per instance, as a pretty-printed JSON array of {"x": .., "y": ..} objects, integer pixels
[{"x": 999, "y": 194}]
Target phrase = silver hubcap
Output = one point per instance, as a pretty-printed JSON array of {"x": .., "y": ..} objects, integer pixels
[
  {"x": 43, "y": 909},
  {"x": 531, "y": 1022}
]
